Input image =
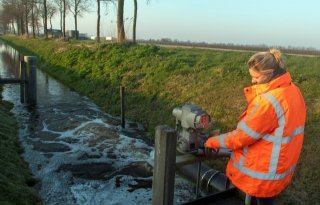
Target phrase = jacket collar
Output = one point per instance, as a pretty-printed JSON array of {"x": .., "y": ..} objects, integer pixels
[{"x": 255, "y": 90}]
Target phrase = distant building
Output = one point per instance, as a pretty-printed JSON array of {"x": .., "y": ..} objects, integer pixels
[
  {"x": 55, "y": 33},
  {"x": 107, "y": 38},
  {"x": 111, "y": 39},
  {"x": 71, "y": 33},
  {"x": 83, "y": 36}
]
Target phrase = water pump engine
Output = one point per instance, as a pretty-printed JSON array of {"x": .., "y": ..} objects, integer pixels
[{"x": 191, "y": 121}]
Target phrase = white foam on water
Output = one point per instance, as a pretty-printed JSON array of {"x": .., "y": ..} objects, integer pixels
[
  {"x": 95, "y": 192},
  {"x": 60, "y": 186}
]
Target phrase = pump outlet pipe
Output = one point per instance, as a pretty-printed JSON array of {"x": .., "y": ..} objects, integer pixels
[{"x": 210, "y": 180}]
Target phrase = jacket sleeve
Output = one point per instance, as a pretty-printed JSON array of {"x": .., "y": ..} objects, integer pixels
[{"x": 260, "y": 119}]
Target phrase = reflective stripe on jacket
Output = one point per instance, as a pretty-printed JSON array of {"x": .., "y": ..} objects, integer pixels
[{"x": 268, "y": 139}]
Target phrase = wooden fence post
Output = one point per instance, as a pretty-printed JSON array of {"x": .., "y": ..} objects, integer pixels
[
  {"x": 164, "y": 166},
  {"x": 23, "y": 79},
  {"x": 31, "y": 76}
]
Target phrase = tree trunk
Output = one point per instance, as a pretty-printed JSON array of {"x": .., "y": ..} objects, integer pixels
[
  {"x": 18, "y": 27},
  {"x": 98, "y": 22},
  {"x": 37, "y": 24},
  {"x": 61, "y": 25},
  {"x": 21, "y": 26},
  {"x": 64, "y": 19},
  {"x": 32, "y": 19},
  {"x": 6, "y": 28},
  {"x": 120, "y": 24},
  {"x": 45, "y": 19},
  {"x": 26, "y": 16},
  {"x": 135, "y": 21},
  {"x": 38, "y": 29},
  {"x": 76, "y": 26},
  {"x": 14, "y": 29},
  {"x": 51, "y": 27}
]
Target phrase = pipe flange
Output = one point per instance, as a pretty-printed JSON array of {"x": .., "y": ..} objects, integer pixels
[{"x": 211, "y": 177}]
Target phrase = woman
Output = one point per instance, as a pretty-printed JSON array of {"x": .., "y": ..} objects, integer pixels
[{"x": 268, "y": 139}]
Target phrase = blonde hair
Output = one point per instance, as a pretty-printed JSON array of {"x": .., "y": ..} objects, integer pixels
[{"x": 267, "y": 62}]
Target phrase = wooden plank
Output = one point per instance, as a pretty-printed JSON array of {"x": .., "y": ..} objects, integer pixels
[
  {"x": 31, "y": 77},
  {"x": 10, "y": 81},
  {"x": 23, "y": 78},
  {"x": 164, "y": 165}
]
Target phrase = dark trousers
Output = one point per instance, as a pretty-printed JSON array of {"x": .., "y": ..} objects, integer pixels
[{"x": 265, "y": 201}]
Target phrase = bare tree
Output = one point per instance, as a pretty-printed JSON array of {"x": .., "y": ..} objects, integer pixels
[
  {"x": 45, "y": 21},
  {"x": 64, "y": 18},
  {"x": 5, "y": 20},
  {"x": 38, "y": 17},
  {"x": 52, "y": 10},
  {"x": 59, "y": 4},
  {"x": 134, "y": 28},
  {"x": 63, "y": 6},
  {"x": 135, "y": 16},
  {"x": 77, "y": 8},
  {"x": 13, "y": 27},
  {"x": 26, "y": 15},
  {"x": 43, "y": 13},
  {"x": 121, "y": 37},
  {"x": 13, "y": 13},
  {"x": 98, "y": 21},
  {"x": 99, "y": 16},
  {"x": 38, "y": 14},
  {"x": 33, "y": 18},
  {"x": 38, "y": 23}
]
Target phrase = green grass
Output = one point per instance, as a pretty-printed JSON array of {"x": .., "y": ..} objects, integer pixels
[
  {"x": 159, "y": 79},
  {"x": 15, "y": 178}
]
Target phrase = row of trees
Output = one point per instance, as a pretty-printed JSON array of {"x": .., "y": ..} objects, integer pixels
[
  {"x": 231, "y": 46},
  {"x": 121, "y": 36},
  {"x": 17, "y": 16}
]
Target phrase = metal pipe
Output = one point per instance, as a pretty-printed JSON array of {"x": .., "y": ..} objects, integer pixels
[
  {"x": 189, "y": 171},
  {"x": 211, "y": 179}
]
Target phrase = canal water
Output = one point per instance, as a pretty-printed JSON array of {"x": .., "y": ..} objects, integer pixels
[{"x": 79, "y": 153}]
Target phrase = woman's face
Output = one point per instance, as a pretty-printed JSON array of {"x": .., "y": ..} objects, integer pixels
[{"x": 258, "y": 78}]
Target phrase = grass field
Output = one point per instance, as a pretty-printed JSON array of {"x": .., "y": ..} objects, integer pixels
[{"x": 159, "y": 79}]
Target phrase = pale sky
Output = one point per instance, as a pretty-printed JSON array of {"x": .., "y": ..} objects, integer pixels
[{"x": 270, "y": 22}]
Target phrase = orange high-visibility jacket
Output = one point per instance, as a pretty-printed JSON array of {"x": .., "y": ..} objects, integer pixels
[{"x": 268, "y": 139}]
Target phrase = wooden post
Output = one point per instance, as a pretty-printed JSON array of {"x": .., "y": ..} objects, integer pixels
[
  {"x": 31, "y": 76},
  {"x": 164, "y": 165},
  {"x": 122, "y": 94},
  {"x": 23, "y": 79}
]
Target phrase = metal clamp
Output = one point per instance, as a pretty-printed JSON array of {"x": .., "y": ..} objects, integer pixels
[
  {"x": 204, "y": 175},
  {"x": 209, "y": 181}
]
